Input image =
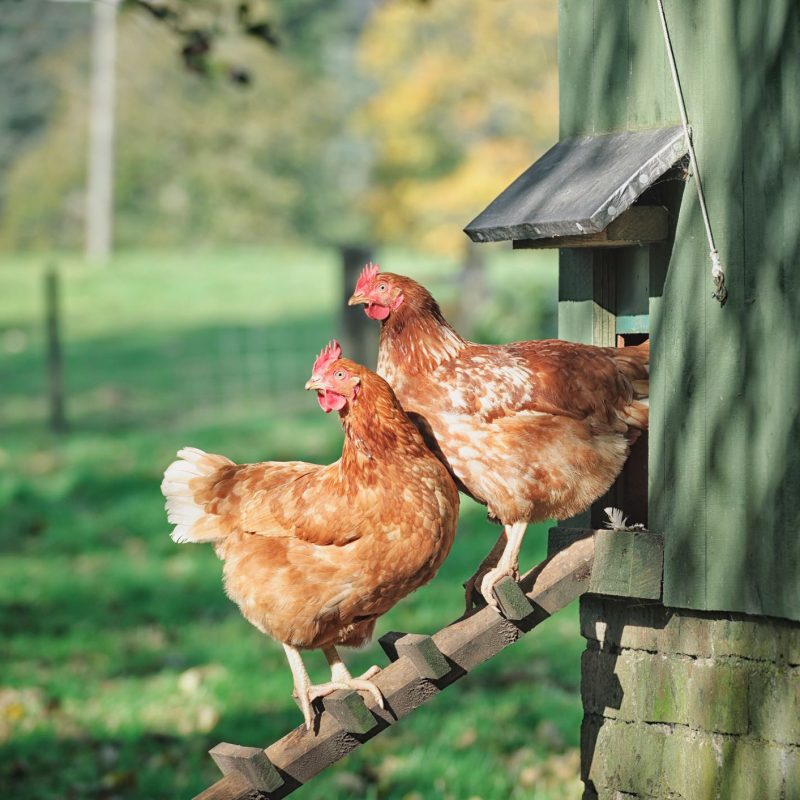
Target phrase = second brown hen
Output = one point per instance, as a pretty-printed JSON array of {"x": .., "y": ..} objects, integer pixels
[{"x": 534, "y": 430}]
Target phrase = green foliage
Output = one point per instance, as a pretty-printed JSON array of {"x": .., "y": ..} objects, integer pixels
[
  {"x": 123, "y": 660},
  {"x": 349, "y": 131},
  {"x": 199, "y": 159},
  {"x": 465, "y": 98}
]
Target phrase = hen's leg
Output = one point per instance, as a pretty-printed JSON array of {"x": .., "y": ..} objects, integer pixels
[
  {"x": 508, "y": 563},
  {"x": 486, "y": 565},
  {"x": 302, "y": 684},
  {"x": 307, "y": 692},
  {"x": 342, "y": 679}
]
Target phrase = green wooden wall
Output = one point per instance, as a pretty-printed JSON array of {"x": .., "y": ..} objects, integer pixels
[{"x": 724, "y": 457}]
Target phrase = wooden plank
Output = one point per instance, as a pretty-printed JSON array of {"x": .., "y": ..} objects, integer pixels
[
  {"x": 678, "y": 363},
  {"x": 637, "y": 226},
  {"x": 575, "y": 50},
  {"x": 465, "y": 644},
  {"x": 580, "y": 186},
  {"x": 626, "y": 563},
  {"x": 650, "y": 98},
  {"x": 604, "y": 309}
]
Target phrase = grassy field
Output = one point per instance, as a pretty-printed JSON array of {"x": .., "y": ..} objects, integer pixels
[{"x": 122, "y": 661}]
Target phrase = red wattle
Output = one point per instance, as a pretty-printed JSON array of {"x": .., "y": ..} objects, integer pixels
[
  {"x": 330, "y": 401},
  {"x": 375, "y": 311}
]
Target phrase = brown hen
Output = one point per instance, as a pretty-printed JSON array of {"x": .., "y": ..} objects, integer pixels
[
  {"x": 533, "y": 430},
  {"x": 315, "y": 554}
]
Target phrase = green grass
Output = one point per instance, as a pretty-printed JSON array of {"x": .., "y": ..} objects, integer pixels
[{"x": 122, "y": 660}]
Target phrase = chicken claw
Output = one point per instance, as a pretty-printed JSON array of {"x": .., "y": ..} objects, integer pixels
[
  {"x": 503, "y": 561},
  {"x": 360, "y": 684},
  {"x": 307, "y": 692}
]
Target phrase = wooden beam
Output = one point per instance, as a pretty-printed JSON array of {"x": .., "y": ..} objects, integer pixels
[
  {"x": 636, "y": 226},
  {"x": 626, "y": 563},
  {"x": 466, "y": 643}
]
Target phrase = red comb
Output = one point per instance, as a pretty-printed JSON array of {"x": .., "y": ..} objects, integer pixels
[
  {"x": 330, "y": 353},
  {"x": 366, "y": 276}
]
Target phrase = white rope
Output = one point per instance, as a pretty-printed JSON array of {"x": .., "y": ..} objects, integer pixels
[{"x": 717, "y": 270}]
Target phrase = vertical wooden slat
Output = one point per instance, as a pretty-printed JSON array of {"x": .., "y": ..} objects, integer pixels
[
  {"x": 678, "y": 432},
  {"x": 770, "y": 376},
  {"x": 575, "y": 48}
]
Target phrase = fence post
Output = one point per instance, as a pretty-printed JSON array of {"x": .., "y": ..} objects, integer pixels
[
  {"x": 358, "y": 334},
  {"x": 55, "y": 360}
]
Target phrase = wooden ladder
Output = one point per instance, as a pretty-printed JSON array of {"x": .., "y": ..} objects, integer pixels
[{"x": 620, "y": 563}]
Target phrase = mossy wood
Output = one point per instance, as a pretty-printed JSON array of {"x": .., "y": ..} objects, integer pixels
[
  {"x": 463, "y": 645},
  {"x": 626, "y": 563},
  {"x": 724, "y": 461}
]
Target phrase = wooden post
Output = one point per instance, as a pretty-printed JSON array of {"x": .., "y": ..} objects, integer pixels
[
  {"x": 55, "y": 361},
  {"x": 359, "y": 340}
]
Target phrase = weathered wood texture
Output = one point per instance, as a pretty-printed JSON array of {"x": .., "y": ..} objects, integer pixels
[
  {"x": 464, "y": 645},
  {"x": 626, "y": 563},
  {"x": 250, "y": 763},
  {"x": 725, "y": 382},
  {"x": 638, "y": 225},
  {"x": 580, "y": 185}
]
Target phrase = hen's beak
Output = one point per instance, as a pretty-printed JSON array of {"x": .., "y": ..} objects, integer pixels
[
  {"x": 314, "y": 382},
  {"x": 357, "y": 299}
]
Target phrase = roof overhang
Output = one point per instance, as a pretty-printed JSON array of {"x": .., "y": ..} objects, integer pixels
[{"x": 580, "y": 186}]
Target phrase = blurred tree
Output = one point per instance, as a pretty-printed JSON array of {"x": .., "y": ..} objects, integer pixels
[
  {"x": 466, "y": 97},
  {"x": 349, "y": 123},
  {"x": 203, "y": 159},
  {"x": 29, "y": 28}
]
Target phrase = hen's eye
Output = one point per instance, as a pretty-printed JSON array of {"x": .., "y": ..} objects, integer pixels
[
  {"x": 339, "y": 375},
  {"x": 382, "y": 287}
]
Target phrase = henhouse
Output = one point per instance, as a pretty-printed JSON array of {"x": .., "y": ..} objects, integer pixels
[
  {"x": 673, "y": 196},
  {"x": 695, "y": 694}
]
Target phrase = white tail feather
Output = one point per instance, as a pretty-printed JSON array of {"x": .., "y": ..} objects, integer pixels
[{"x": 192, "y": 524}]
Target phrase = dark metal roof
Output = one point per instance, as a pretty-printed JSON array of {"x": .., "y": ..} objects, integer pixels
[{"x": 579, "y": 186}]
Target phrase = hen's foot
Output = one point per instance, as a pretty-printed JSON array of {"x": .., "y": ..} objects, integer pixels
[
  {"x": 492, "y": 578},
  {"x": 360, "y": 684}
]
